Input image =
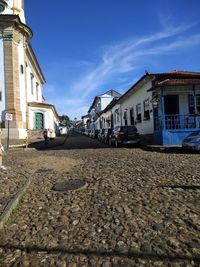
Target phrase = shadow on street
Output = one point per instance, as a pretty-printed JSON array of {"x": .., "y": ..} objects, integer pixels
[
  {"x": 78, "y": 141},
  {"x": 102, "y": 253},
  {"x": 72, "y": 141}
]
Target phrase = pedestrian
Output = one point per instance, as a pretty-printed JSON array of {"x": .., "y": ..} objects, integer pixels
[
  {"x": 2, "y": 168},
  {"x": 45, "y": 134}
]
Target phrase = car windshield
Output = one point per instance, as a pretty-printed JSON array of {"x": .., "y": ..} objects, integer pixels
[{"x": 129, "y": 130}]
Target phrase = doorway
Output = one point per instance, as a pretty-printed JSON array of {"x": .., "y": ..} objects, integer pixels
[
  {"x": 39, "y": 121},
  {"x": 171, "y": 104},
  {"x": 172, "y": 119}
]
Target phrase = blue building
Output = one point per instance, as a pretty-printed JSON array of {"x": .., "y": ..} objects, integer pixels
[{"x": 176, "y": 106}]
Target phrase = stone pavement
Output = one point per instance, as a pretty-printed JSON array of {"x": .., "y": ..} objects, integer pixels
[{"x": 138, "y": 208}]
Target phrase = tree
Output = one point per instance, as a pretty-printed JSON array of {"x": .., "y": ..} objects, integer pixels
[{"x": 66, "y": 120}]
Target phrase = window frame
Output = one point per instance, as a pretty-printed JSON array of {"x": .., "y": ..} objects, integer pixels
[
  {"x": 132, "y": 119},
  {"x": 191, "y": 103},
  {"x": 139, "y": 114},
  {"x": 125, "y": 117},
  {"x": 37, "y": 91},
  {"x": 146, "y": 111},
  {"x": 32, "y": 85}
]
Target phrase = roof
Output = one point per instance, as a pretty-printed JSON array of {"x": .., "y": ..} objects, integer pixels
[
  {"x": 45, "y": 105},
  {"x": 176, "y": 77},
  {"x": 178, "y": 82},
  {"x": 111, "y": 92},
  {"x": 10, "y": 20},
  {"x": 85, "y": 116},
  {"x": 34, "y": 62},
  {"x": 93, "y": 103}
]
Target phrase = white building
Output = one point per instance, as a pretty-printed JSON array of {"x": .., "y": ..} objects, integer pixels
[
  {"x": 100, "y": 103},
  {"x": 85, "y": 122},
  {"x": 165, "y": 107},
  {"x": 21, "y": 78}
]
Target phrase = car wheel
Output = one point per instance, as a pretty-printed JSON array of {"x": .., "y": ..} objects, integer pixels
[{"x": 116, "y": 143}]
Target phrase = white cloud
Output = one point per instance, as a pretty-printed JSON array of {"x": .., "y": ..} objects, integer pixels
[{"x": 121, "y": 58}]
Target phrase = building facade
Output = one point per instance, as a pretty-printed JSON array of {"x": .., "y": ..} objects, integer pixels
[
  {"x": 165, "y": 107},
  {"x": 21, "y": 78},
  {"x": 99, "y": 104}
]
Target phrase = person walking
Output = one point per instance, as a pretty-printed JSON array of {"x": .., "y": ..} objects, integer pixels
[
  {"x": 2, "y": 168},
  {"x": 45, "y": 134}
]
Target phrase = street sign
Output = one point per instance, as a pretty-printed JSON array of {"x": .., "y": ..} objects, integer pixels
[{"x": 9, "y": 117}]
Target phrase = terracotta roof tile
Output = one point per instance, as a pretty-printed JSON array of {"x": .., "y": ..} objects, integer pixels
[{"x": 178, "y": 82}]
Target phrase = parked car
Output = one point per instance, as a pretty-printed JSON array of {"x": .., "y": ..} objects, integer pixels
[
  {"x": 192, "y": 141},
  {"x": 87, "y": 132},
  {"x": 83, "y": 131},
  {"x": 124, "y": 135},
  {"x": 100, "y": 134},
  {"x": 106, "y": 135},
  {"x": 91, "y": 134},
  {"x": 94, "y": 133}
]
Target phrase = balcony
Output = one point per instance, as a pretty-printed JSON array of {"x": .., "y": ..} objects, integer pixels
[{"x": 177, "y": 122}]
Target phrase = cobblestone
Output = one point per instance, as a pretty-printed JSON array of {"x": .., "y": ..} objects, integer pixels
[{"x": 128, "y": 215}]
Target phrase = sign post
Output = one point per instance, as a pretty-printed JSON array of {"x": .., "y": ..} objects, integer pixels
[{"x": 9, "y": 117}]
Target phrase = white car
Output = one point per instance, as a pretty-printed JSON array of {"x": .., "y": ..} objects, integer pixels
[
  {"x": 192, "y": 141},
  {"x": 51, "y": 134}
]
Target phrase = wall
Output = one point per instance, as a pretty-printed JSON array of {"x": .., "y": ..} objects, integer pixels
[
  {"x": 50, "y": 122},
  {"x": 105, "y": 100},
  {"x": 183, "y": 92},
  {"x": 116, "y": 111},
  {"x": 137, "y": 97},
  {"x": 33, "y": 97},
  {"x": 2, "y": 81},
  {"x": 106, "y": 119},
  {"x": 22, "y": 83}
]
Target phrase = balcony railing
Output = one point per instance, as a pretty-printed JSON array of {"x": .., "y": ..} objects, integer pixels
[{"x": 173, "y": 122}]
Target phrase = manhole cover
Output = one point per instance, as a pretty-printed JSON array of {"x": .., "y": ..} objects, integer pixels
[{"x": 69, "y": 185}]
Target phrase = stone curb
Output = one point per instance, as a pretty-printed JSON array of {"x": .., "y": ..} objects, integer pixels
[{"x": 13, "y": 204}]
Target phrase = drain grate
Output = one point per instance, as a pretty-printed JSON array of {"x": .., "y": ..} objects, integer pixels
[{"x": 69, "y": 185}]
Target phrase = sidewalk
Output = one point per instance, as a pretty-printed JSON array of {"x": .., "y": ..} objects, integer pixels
[{"x": 13, "y": 184}]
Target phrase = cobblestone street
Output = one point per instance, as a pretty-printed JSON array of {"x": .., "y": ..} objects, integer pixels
[{"x": 138, "y": 208}]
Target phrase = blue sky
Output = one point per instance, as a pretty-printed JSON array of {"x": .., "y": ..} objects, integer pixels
[{"x": 86, "y": 47}]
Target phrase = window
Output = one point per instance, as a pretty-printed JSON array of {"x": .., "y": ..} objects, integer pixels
[
  {"x": 191, "y": 104},
  {"x": 37, "y": 91},
  {"x": 117, "y": 115},
  {"x": 22, "y": 69},
  {"x": 0, "y": 96},
  {"x": 125, "y": 118},
  {"x": 115, "y": 118},
  {"x": 139, "y": 113},
  {"x": 146, "y": 110},
  {"x": 131, "y": 116},
  {"x": 32, "y": 89}
]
